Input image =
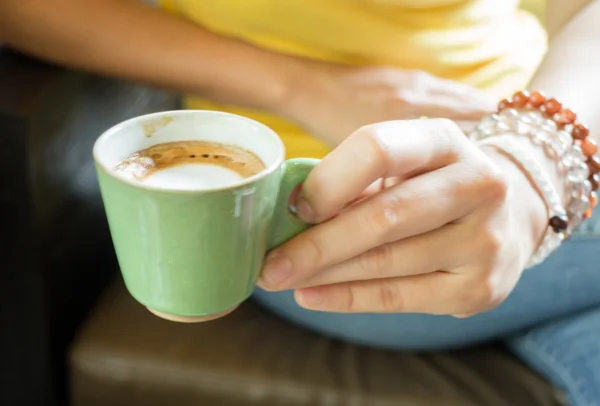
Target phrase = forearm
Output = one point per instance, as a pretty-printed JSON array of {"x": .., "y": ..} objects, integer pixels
[
  {"x": 127, "y": 39},
  {"x": 569, "y": 73},
  {"x": 571, "y": 70}
]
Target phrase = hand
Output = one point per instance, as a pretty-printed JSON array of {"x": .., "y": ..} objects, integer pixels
[
  {"x": 335, "y": 101},
  {"x": 443, "y": 228}
]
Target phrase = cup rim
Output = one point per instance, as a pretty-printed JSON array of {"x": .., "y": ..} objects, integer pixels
[{"x": 246, "y": 181}]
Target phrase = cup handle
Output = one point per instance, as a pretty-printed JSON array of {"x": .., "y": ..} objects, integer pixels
[{"x": 286, "y": 224}]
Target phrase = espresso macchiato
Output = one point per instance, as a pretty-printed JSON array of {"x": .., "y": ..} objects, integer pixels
[{"x": 190, "y": 165}]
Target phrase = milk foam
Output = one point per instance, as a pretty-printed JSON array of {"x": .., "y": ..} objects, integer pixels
[{"x": 191, "y": 177}]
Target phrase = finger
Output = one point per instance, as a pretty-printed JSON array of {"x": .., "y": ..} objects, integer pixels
[
  {"x": 445, "y": 249},
  {"x": 416, "y": 206},
  {"x": 466, "y": 126},
  {"x": 430, "y": 85},
  {"x": 460, "y": 90},
  {"x": 373, "y": 188},
  {"x": 463, "y": 316},
  {"x": 389, "y": 182},
  {"x": 393, "y": 148},
  {"x": 447, "y": 106},
  {"x": 433, "y": 293}
]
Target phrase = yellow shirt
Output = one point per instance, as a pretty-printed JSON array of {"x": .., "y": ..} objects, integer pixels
[{"x": 491, "y": 44}]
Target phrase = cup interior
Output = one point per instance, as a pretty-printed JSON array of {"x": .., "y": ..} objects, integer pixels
[{"x": 188, "y": 125}]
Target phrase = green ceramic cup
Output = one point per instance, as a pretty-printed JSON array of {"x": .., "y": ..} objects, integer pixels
[{"x": 192, "y": 254}]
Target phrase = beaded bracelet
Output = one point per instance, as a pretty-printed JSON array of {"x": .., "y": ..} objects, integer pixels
[
  {"x": 564, "y": 140},
  {"x": 542, "y": 183},
  {"x": 566, "y": 122},
  {"x": 533, "y": 125},
  {"x": 555, "y": 129}
]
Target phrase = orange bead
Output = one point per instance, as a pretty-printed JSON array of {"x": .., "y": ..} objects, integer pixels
[
  {"x": 580, "y": 131},
  {"x": 593, "y": 199},
  {"x": 587, "y": 214},
  {"x": 589, "y": 146},
  {"x": 593, "y": 163},
  {"x": 536, "y": 99},
  {"x": 594, "y": 181},
  {"x": 520, "y": 99},
  {"x": 504, "y": 104},
  {"x": 565, "y": 117},
  {"x": 551, "y": 107}
]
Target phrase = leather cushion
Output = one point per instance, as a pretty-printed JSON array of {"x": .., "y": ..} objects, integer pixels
[{"x": 125, "y": 356}]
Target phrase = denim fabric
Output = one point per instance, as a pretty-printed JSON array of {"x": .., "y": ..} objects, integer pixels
[{"x": 551, "y": 320}]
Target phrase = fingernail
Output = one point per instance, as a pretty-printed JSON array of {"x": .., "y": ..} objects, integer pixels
[
  {"x": 310, "y": 297},
  {"x": 304, "y": 210},
  {"x": 277, "y": 269}
]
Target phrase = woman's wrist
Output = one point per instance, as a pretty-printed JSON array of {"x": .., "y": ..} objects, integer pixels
[
  {"x": 307, "y": 90},
  {"x": 251, "y": 77},
  {"x": 554, "y": 151},
  {"x": 527, "y": 206}
]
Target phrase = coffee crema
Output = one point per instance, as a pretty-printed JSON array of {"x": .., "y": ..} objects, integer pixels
[{"x": 188, "y": 155}]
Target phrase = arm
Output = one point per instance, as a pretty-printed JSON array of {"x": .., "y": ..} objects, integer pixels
[
  {"x": 571, "y": 69},
  {"x": 560, "y": 12},
  {"x": 389, "y": 267},
  {"x": 440, "y": 195},
  {"x": 570, "y": 72},
  {"x": 134, "y": 41},
  {"x": 128, "y": 39}
]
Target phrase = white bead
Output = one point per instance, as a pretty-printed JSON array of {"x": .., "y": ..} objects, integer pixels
[
  {"x": 559, "y": 146},
  {"x": 565, "y": 139},
  {"x": 526, "y": 128},
  {"x": 531, "y": 117},
  {"x": 579, "y": 205},
  {"x": 549, "y": 125},
  {"x": 586, "y": 187},
  {"x": 486, "y": 127},
  {"x": 542, "y": 137},
  {"x": 570, "y": 158},
  {"x": 510, "y": 114},
  {"x": 542, "y": 183},
  {"x": 578, "y": 173},
  {"x": 506, "y": 124}
]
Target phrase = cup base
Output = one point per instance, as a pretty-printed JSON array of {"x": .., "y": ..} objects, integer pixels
[{"x": 191, "y": 319}]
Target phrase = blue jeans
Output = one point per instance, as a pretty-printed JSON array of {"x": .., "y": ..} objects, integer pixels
[{"x": 551, "y": 320}]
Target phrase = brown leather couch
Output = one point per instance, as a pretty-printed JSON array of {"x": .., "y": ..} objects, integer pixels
[{"x": 63, "y": 341}]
